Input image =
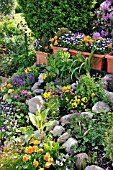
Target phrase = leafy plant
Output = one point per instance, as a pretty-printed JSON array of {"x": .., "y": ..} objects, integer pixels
[{"x": 38, "y": 120}]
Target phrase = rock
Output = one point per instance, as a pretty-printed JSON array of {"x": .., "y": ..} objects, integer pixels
[
  {"x": 37, "y": 132},
  {"x": 63, "y": 138},
  {"x": 33, "y": 102},
  {"x": 87, "y": 114},
  {"x": 93, "y": 167},
  {"x": 81, "y": 160},
  {"x": 58, "y": 130},
  {"x": 100, "y": 107},
  {"x": 71, "y": 142},
  {"x": 66, "y": 119},
  {"x": 38, "y": 91},
  {"x": 35, "y": 86},
  {"x": 110, "y": 94},
  {"x": 104, "y": 80},
  {"x": 40, "y": 78},
  {"x": 53, "y": 125}
]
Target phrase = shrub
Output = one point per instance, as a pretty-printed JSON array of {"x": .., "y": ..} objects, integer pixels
[
  {"x": 6, "y": 6},
  {"x": 45, "y": 17}
]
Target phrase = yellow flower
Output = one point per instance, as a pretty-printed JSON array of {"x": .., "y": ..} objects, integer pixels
[
  {"x": 87, "y": 44},
  {"x": 86, "y": 39},
  {"x": 2, "y": 89},
  {"x": 110, "y": 46},
  {"x": 46, "y": 95},
  {"x": 84, "y": 106},
  {"x": 55, "y": 37},
  {"x": 35, "y": 164},
  {"x": 35, "y": 148},
  {"x": 84, "y": 99},
  {"x": 9, "y": 85},
  {"x": 29, "y": 69},
  {"x": 26, "y": 71},
  {"x": 91, "y": 41},
  {"x": 52, "y": 39},
  {"x": 45, "y": 76},
  {"x": 25, "y": 158},
  {"x": 93, "y": 95},
  {"x": 56, "y": 42},
  {"x": 10, "y": 91},
  {"x": 47, "y": 165},
  {"x": 100, "y": 38},
  {"x": 32, "y": 141},
  {"x": 74, "y": 105},
  {"x": 67, "y": 100},
  {"x": 47, "y": 156},
  {"x": 41, "y": 169},
  {"x": 66, "y": 89},
  {"x": 77, "y": 101},
  {"x": 46, "y": 47},
  {"x": 40, "y": 151},
  {"x": 36, "y": 142},
  {"x": 50, "y": 160},
  {"x": 54, "y": 75},
  {"x": 53, "y": 112}
]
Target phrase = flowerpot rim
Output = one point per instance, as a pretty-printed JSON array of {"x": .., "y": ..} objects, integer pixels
[
  {"x": 88, "y": 53},
  {"x": 108, "y": 56},
  {"x": 41, "y": 52}
]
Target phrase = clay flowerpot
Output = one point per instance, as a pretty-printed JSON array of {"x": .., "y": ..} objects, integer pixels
[
  {"x": 56, "y": 49},
  {"x": 109, "y": 58},
  {"x": 98, "y": 60},
  {"x": 41, "y": 57}
]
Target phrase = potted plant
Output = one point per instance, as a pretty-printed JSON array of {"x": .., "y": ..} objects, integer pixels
[
  {"x": 43, "y": 49},
  {"x": 83, "y": 44},
  {"x": 55, "y": 40},
  {"x": 109, "y": 58}
]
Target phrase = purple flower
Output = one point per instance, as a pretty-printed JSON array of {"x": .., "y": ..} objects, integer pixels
[
  {"x": 17, "y": 97},
  {"x": 105, "y": 5},
  {"x": 67, "y": 167},
  {"x": 111, "y": 16},
  {"x": 96, "y": 35}
]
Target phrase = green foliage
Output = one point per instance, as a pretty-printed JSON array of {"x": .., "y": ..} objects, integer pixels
[
  {"x": 109, "y": 143},
  {"x": 45, "y": 17},
  {"x": 6, "y": 7},
  {"x": 90, "y": 88}
]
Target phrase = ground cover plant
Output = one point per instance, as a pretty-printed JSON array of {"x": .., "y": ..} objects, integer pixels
[{"x": 34, "y": 134}]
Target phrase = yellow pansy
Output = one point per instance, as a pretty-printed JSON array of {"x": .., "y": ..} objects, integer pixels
[{"x": 10, "y": 91}]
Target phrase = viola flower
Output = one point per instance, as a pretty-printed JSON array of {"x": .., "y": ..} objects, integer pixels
[
  {"x": 47, "y": 156},
  {"x": 93, "y": 95},
  {"x": 25, "y": 158},
  {"x": 36, "y": 142},
  {"x": 40, "y": 151},
  {"x": 35, "y": 164},
  {"x": 84, "y": 99},
  {"x": 47, "y": 165}
]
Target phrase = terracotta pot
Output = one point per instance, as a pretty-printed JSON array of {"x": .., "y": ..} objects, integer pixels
[
  {"x": 98, "y": 60},
  {"x": 41, "y": 57},
  {"x": 56, "y": 49},
  {"x": 109, "y": 58}
]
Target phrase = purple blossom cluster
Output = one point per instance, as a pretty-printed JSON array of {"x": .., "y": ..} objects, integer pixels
[
  {"x": 76, "y": 42},
  {"x": 104, "y": 24},
  {"x": 9, "y": 124},
  {"x": 70, "y": 39},
  {"x": 23, "y": 79}
]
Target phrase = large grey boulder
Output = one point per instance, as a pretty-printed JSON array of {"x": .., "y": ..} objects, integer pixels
[
  {"x": 58, "y": 130},
  {"x": 110, "y": 95},
  {"x": 34, "y": 102},
  {"x": 93, "y": 167},
  {"x": 69, "y": 144},
  {"x": 100, "y": 107}
]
